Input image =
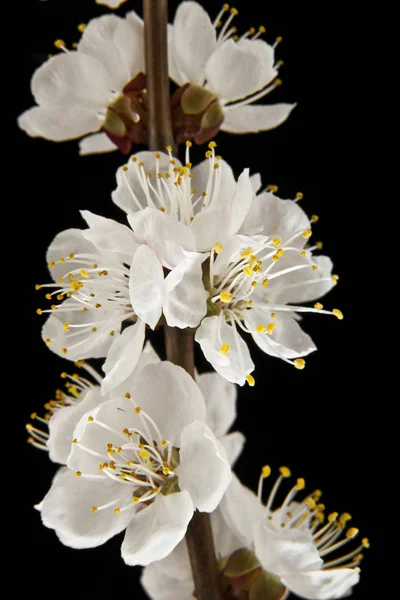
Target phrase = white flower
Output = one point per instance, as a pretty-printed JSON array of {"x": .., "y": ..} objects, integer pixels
[
  {"x": 193, "y": 208},
  {"x": 289, "y": 542},
  {"x": 93, "y": 88},
  {"x": 106, "y": 279},
  {"x": 144, "y": 460},
  {"x": 234, "y": 73}
]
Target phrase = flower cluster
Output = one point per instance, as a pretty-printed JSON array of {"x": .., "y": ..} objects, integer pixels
[{"x": 144, "y": 445}]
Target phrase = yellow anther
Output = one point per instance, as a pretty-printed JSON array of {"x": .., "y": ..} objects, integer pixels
[
  {"x": 338, "y": 314},
  {"x": 318, "y": 306},
  {"x": 248, "y": 271},
  {"x": 314, "y": 218},
  {"x": 63, "y": 351},
  {"x": 285, "y": 471},
  {"x": 90, "y": 419},
  {"x": 208, "y": 154},
  {"x": 262, "y": 29},
  {"x": 62, "y": 260},
  {"x": 71, "y": 256},
  {"x": 266, "y": 471},
  {"x": 273, "y": 315},
  {"x": 261, "y": 328},
  {"x": 78, "y": 473},
  {"x": 112, "y": 333},
  {"x": 117, "y": 511},
  {"x": 217, "y": 248},
  {"x": 148, "y": 175},
  {"x": 168, "y": 148},
  {"x": 39, "y": 311},
  {"x": 135, "y": 499},
  {"x": 299, "y": 363},
  {"x": 344, "y": 518},
  {"x": 94, "y": 509},
  {"x": 66, "y": 326},
  {"x": 320, "y": 516},
  {"x": 60, "y": 280},
  {"x": 212, "y": 145},
  {"x": 64, "y": 375},
  {"x": 352, "y": 532},
  {"x": 276, "y": 242},
  {"x": 314, "y": 267},
  {"x": 166, "y": 471},
  {"x": 310, "y": 502},
  {"x": 250, "y": 380},
  {"x": 38, "y": 287},
  {"x": 216, "y": 166},
  {"x": 85, "y": 309},
  {"x": 157, "y": 154},
  {"x": 246, "y": 252},
  {"x": 249, "y": 302},
  {"x": 265, "y": 282},
  {"x": 335, "y": 278},
  {"x": 138, "y": 410},
  {"x": 143, "y": 453},
  {"x": 127, "y": 395},
  {"x": 365, "y": 542},
  {"x": 48, "y": 296},
  {"x": 59, "y": 44},
  {"x": 224, "y": 349},
  {"x": 74, "y": 45},
  {"x": 332, "y": 517},
  {"x": 81, "y": 27},
  {"x": 234, "y": 11},
  {"x": 271, "y": 327},
  {"x": 278, "y": 82},
  {"x": 79, "y": 363},
  {"x": 225, "y": 7},
  {"x": 52, "y": 264},
  {"x": 254, "y": 283},
  {"x": 303, "y": 254},
  {"x": 300, "y": 484},
  {"x": 94, "y": 329},
  {"x": 84, "y": 274},
  {"x": 125, "y": 168},
  {"x": 74, "y": 441},
  {"x": 272, "y": 188},
  {"x": 53, "y": 307},
  {"x": 279, "y": 39},
  {"x": 319, "y": 245},
  {"x": 60, "y": 297},
  {"x": 306, "y": 233},
  {"x": 281, "y": 62},
  {"x": 299, "y": 196},
  {"x": 225, "y": 296},
  {"x": 164, "y": 443},
  {"x": 48, "y": 340}
]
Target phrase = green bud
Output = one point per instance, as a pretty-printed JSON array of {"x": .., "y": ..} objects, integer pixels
[{"x": 195, "y": 99}]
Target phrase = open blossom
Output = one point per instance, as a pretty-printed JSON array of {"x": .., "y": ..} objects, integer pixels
[
  {"x": 142, "y": 461},
  {"x": 292, "y": 542},
  {"x": 224, "y": 74},
  {"x": 96, "y": 87},
  {"x": 109, "y": 285}
]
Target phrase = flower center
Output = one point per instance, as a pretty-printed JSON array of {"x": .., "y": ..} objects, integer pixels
[{"x": 101, "y": 290}]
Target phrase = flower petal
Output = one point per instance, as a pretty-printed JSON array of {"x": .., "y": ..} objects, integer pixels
[
  {"x": 252, "y": 119},
  {"x": 256, "y": 182},
  {"x": 170, "y": 397},
  {"x": 227, "y": 182},
  {"x": 242, "y": 511},
  {"x": 109, "y": 236},
  {"x": 123, "y": 356},
  {"x": 310, "y": 284},
  {"x": 65, "y": 243},
  {"x": 163, "y": 234},
  {"x": 161, "y": 586},
  {"x": 129, "y": 182},
  {"x": 72, "y": 79},
  {"x": 111, "y": 3},
  {"x": 287, "y": 340},
  {"x": 235, "y": 365},
  {"x": 96, "y": 144},
  {"x": 63, "y": 422},
  {"x": 146, "y": 285},
  {"x": 322, "y": 585},
  {"x": 58, "y": 123},
  {"x": 236, "y": 70},
  {"x": 67, "y": 508},
  {"x": 157, "y": 529},
  {"x": 204, "y": 469},
  {"x": 233, "y": 444},
  {"x": 193, "y": 40},
  {"x": 220, "y": 397},
  {"x": 185, "y": 297}
]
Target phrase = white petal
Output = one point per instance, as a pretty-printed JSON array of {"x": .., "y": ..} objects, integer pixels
[
  {"x": 204, "y": 469},
  {"x": 307, "y": 292},
  {"x": 146, "y": 285},
  {"x": 236, "y": 70},
  {"x": 177, "y": 564},
  {"x": 123, "y": 356},
  {"x": 96, "y": 144},
  {"x": 282, "y": 552},
  {"x": 129, "y": 41},
  {"x": 109, "y": 236},
  {"x": 227, "y": 187},
  {"x": 72, "y": 79},
  {"x": 147, "y": 357},
  {"x": 64, "y": 421},
  {"x": 163, "y": 234},
  {"x": 185, "y": 297},
  {"x": 242, "y": 511},
  {"x": 169, "y": 395},
  {"x": 322, "y": 585},
  {"x": 160, "y": 586},
  {"x": 111, "y": 3},
  {"x": 236, "y": 364},
  {"x": 233, "y": 444},
  {"x": 288, "y": 340},
  {"x": 67, "y": 508},
  {"x": 86, "y": 344},
  {"x": 220, "y": 397},
  {"x": 251, "y": 119},
  {"x": 256, "y": 182},
  {"x": 194, "y": 39},
  {"x": 59, "y": 123},
  {"x": 209, "y": 227},
  {"x": 67, "y": 242},
  {"x": 129, "y": 182},
  {"x": 225, "y": 539},
  {"x": 157, "y": 529},
  {"x": 241, "y": 203}
]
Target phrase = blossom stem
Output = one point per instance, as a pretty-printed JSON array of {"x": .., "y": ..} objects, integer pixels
[{"x": 155, "y": 14}]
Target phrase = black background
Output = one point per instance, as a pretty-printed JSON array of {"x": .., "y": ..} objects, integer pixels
[{"x": 320, "y": 421}]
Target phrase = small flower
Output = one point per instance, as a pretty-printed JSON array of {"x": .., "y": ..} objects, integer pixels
[
  {"x": 288, "y": 543},
  {"x": 222, "y": 75},
  {"x": 142, "y": 461},
  {"x": 108, "y": 286},
  {"x": 197, "y": 206},
  {"x": 98, "y": 86}
]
